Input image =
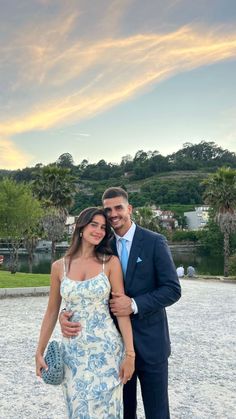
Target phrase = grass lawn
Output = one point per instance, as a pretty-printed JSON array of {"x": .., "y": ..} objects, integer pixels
[{"x": 21, "y": 279}]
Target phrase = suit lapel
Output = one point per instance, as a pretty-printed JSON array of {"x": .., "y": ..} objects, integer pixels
[{"x": 134, "y": 253}]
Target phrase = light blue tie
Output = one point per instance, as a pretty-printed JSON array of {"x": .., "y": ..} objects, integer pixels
[{"x": 124, "y": 256}]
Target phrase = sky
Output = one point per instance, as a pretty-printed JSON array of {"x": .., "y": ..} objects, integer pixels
[{"x": 103, "y": 79}]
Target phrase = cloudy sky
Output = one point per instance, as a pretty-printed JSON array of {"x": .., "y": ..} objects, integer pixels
[{"x": 104, "y": 78}]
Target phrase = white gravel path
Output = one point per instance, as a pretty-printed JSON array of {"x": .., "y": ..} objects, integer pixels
[{"x": 202, "y": 365}]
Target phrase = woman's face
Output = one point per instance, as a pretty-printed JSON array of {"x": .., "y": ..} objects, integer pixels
[{"x": 95, "y": 231}]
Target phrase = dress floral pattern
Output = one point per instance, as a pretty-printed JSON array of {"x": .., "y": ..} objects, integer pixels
[{"x": 92, "y": 387}]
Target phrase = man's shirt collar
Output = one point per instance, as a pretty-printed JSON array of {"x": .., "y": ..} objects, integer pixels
[{"x": 129, "y": 235}]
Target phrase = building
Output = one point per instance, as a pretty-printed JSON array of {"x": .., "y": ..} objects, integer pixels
[
  {"x": 166, "y": 218},
  {"x": 198, "y": 219},
  {"x": 70, "y": 224}
]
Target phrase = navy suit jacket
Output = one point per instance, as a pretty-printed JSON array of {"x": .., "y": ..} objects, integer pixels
[{"x": 152, "y": 281}]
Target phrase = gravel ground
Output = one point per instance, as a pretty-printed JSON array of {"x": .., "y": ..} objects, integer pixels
[{"x": 202, "y": 381}]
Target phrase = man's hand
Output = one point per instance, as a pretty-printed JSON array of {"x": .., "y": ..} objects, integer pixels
[
  {"x": 120, "y": 304},
  {"x": 68, "y": 328}
]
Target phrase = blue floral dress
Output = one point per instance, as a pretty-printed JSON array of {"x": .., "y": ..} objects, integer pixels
[{"x": 92, "y": 387}]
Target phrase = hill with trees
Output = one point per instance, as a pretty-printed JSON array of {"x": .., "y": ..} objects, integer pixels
[{"x": 149, "y": 177}]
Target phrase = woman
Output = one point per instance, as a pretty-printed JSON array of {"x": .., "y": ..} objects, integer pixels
[{"x": 96, "y": 366}]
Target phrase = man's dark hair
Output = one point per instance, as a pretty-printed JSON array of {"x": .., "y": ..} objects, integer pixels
[{"x": 114, "y": 193}]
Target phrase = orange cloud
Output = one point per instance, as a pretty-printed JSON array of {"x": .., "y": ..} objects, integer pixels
[
  {"x": 65, "y": 74},
  {"x": 111, "y": 71},
  {"x": 11, "y": 157}
]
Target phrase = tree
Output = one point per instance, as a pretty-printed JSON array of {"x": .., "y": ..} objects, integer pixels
[
  {"x": 65, "y": 160},
  {"x": 141, "y": 156},
  {"x": 144, "y": 217},
  {"x": 221, "y": 195},
  {"x": 30, "y": 243},
  {"x": 31, "y": 239},
  {"x": 211, "y": 238},
  {"x": 54, "y": 227},
  {"x": 20, "y": 213},
  {"x": 25, "y": 175},
  {"x": 203, "y": 154},
  {"x": 84, "y": 164},
  {"x": 232, "y": 265},
  {"x": 55, "y": 187}
]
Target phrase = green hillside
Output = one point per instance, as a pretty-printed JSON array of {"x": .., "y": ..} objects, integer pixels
[{"x": 168, "y": 181}]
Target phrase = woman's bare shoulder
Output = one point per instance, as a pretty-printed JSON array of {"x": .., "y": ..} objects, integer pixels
[
  {"x": 57, "y": 265},
  {"x": 113, "y": 261}
]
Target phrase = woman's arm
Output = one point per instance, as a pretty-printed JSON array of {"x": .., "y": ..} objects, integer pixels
[
  {"x": 50, "y": 317},
  {"x": 117, "y": 286}
]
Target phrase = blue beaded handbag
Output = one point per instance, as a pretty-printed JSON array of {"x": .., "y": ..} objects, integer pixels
[{"x": 53, "y": 358}]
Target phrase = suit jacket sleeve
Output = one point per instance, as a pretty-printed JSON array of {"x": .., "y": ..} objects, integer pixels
[{"x": 168, "y": 289}]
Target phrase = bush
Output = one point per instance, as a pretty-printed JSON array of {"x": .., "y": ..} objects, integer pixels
[
  {"x": 190, "y": 235},
  {"x": 232, "y": 265}
]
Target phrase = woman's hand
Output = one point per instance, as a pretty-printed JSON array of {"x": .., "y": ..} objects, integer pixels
[
  {"x": 127, "y": 369},
  {"x": 40, "y": 363}
]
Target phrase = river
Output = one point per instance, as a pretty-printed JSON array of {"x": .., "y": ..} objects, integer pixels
[{"x": 204, "y": 264}]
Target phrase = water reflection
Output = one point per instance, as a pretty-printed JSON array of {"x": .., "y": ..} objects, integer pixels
[
  {"x": 41, "y": 262},
  {"x": 204, "y": 265}
]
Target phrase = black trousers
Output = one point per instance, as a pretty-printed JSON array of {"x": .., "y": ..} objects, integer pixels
[{"x": 154, "y": 388}]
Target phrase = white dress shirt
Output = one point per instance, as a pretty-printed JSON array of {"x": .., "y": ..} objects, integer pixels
[{"x": 129, "y": 235}]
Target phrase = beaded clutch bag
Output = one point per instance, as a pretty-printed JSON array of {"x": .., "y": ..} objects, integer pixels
[{"x": 53, "y": 358}]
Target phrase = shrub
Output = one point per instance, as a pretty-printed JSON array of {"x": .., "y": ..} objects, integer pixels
[
  {"x": 232, "y": 265},
  {"x": 189, "y": 235}
]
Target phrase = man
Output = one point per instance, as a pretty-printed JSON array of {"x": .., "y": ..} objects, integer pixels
[
  {"x": 191, "y": 271},
  {"x": 151, "y": 284},
  {"x": 180, "y": 271}
]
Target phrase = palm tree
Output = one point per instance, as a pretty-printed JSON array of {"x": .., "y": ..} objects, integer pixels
[
  {"x": 55, "y": 187},
  {"x": 144, "y": 217},
  {"x": 220, "y": 194},
  {"x": 53, "y": 223}
]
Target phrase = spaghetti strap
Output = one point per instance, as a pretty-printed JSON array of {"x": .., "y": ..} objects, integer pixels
[
  {"x": 103, "y": 262},
  {"x": 64, "y": 267}
]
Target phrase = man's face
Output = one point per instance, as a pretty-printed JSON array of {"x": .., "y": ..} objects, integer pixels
[{"x": 119, "y": 212}]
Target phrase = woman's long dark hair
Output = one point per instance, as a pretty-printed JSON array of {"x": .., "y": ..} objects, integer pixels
[{"x": 84, "y": 218}]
